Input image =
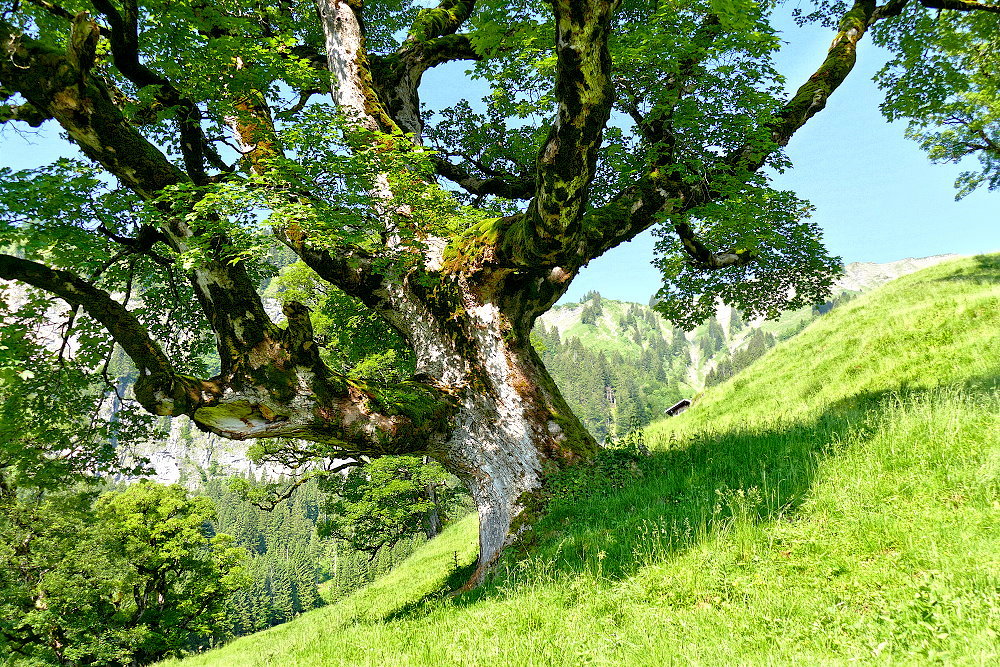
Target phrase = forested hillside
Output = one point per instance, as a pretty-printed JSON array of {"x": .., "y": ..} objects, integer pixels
[
  {"x": 620, "y": 364},
  {"x": 835, "y": 502}
]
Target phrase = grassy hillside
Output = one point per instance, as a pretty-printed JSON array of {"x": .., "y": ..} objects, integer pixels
[{"x": 837, "y": 502}]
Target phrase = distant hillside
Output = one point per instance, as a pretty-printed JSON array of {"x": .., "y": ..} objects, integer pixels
[
  {"x": 620, "y": 364},
  {"x": 863, "y": 276},
  {"x": 837, "y": 503}
]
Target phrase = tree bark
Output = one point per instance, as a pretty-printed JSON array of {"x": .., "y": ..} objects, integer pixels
[{"x": 512, "y": 426}]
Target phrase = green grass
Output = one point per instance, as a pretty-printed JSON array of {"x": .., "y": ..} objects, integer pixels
[{"x": 837, "y": 502}]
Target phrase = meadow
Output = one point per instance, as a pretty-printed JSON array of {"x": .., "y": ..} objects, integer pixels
[{"x": 838, "y": 501}]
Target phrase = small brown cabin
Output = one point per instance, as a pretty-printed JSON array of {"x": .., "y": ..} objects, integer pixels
[{"x": 678, "y": 407}]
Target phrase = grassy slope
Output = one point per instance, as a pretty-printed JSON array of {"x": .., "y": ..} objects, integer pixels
[{"x": 838, "y": 501}]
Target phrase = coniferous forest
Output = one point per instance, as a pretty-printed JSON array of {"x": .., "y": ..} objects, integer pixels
[{"x": 620, "y": 365}]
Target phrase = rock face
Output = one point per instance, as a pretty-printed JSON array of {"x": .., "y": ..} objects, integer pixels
[{"x": 186, "y": 454}]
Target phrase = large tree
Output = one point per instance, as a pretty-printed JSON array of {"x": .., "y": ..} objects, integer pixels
[{"x": 213, "y": 130}]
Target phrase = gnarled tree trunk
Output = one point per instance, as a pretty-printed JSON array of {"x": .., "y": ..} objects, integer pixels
[{"x": 511, "y": 425}]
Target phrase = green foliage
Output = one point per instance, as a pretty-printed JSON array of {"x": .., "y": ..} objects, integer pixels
[
  {"x": 59, "y": 419},
  {"x": 386, "y": 500},
  {"x": 791, "y": 269},
  {"x": 128, "y": 579},
  {"x": 610, "y": 392},
  {"x": 617, "y": 465},
  {"x": 941, "y": 78},
  {"x": 286, "y": 559},
  {"x": 353, "y": 340},
  {"x": 629, "y": 367},
  {"x": 51, "y": 215},
  {"x": 302, "y": 554},
  {"x": 591, "y": 312}
]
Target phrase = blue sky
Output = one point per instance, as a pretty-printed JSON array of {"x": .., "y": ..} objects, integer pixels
[{"x": 877, "y": 196}]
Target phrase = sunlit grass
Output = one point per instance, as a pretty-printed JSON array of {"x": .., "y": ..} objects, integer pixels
[{"x": 837, "y": 502}]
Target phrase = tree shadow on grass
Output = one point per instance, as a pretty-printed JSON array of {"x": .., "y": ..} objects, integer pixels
[
  {"x": 985, "y": 271},
  {"x": 655, "y": 507}
]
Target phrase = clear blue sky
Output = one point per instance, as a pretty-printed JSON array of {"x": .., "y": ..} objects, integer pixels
[{"x": 877, "y": 196}]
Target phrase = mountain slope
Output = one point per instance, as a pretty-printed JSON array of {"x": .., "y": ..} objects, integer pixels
[
  {"x": 863, "y": 276},
  {"x": 837, "y": 501}
]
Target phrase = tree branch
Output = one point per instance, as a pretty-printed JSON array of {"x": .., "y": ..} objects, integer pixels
[
  {"x": 658, "y": 120},
  {"x": 567, "y": 161},
  {"x": 510, "y": 187},
  {"x": 374, "y": 419},
  {"x": 431, "y": 42},
  {"x": 960, "y": 5},
  {"x": 444, "y": 19},
  {"x": 891, "y": 8},
  {"x": 660, "y": 194},
  {"x": 811, "y": 97},
  {"x": 52, "y": 82},
  {"x": 448, "y": 48},
  {"x": 120, "y": 323},
  {"x": 54, "y": 9},
  {"x": 124, "y": 39},
  {"x": 26, "y": 113},
  {"x": 704, "y": 257}
]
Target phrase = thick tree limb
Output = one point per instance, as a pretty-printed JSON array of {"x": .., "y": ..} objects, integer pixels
[
  {"x": 567, "y": 161},
  {"x": 447, "y": 48},
  {"x": 347, "y": 59},
  {"x": 54, "y": 9},
  {"x": 431, "y": 42},
  {"x": 48, "y": 79},
  {"x": 444, "y": 19},
  {"x": 891, "y": 8},
  {"x": 365, "y": 418},
  {"x": 351, "y": 270},
  {"x": 812, "y": 96}
]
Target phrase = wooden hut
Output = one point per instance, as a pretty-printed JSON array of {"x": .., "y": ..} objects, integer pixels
[{"x": 678, "y": 407}]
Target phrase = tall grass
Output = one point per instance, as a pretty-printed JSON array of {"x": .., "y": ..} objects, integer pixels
[{"x": 838, "y": 502}]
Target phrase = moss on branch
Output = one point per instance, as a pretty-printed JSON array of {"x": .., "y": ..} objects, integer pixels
[{"x": 441, "y": 20}]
